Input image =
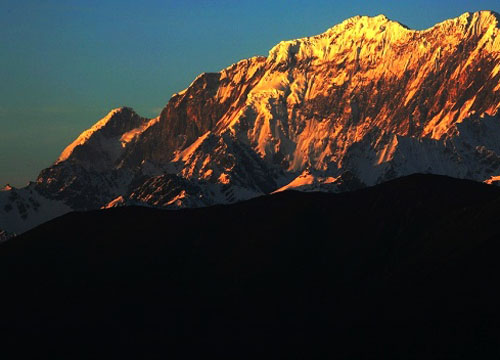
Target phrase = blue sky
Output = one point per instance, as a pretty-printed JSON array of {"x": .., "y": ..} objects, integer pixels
[{"x": 65, "y": 64}]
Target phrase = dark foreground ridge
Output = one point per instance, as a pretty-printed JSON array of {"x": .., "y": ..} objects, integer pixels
[{"x": 406, "y": 269}]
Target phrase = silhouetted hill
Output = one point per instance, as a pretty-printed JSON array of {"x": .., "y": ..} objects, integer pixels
[{"x": 406, "y": 269}]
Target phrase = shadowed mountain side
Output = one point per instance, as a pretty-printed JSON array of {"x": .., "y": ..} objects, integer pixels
[{"x": 405, "y": 269}]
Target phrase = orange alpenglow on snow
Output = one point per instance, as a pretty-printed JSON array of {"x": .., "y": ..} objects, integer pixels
[{"x": 366, "y": 101}]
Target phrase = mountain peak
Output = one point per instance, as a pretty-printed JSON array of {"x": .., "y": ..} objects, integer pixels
[
  {"x": 7, "y": 187},
  {"x": 346, "y": 35},
  {"x": 88, "y": 133},
  {"x": 366, "y": 101},
  {"x": 117, "y": 122},
  {"x": 487, "y": 16},
  {"x": 366, "y": 21},
  {"x": 369, "y": 27},
  {"x": 481, "y": 20}
]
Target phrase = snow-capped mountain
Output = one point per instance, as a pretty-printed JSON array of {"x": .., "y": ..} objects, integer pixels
[{"x": 366, "y": 101}]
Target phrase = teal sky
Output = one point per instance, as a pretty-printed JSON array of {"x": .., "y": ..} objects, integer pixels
[{"x": 65, "y": 64}]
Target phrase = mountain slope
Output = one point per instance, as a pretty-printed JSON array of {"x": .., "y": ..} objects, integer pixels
[
  {"x": 368, "y": 100},
  {"x": 406, "y": 269}
]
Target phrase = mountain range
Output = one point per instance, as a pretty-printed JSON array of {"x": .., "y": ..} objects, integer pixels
[
  {"x": 407, "y": 269},
  {"x": 367, "y": 101}
]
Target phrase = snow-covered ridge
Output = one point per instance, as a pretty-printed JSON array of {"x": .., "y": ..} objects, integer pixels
[
  {"x": 85, "y": 136},
  {"x": 22, "y": 209},
  {"x": 479, "y": 22},
  {"x": 378, "y": 29},
  {"x": 109, "y": 137},
  {"x": 366, "y": 101}
]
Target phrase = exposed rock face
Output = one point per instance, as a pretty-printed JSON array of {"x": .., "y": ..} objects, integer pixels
[{"x": 366, "y": 101}]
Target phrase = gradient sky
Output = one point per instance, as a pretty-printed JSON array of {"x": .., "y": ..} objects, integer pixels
[{"x": 65, "y": 64}]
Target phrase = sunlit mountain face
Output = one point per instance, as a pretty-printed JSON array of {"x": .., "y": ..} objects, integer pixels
[
  {"x": 367, "y": 101},
  {"x": 375, "y": 255}
]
